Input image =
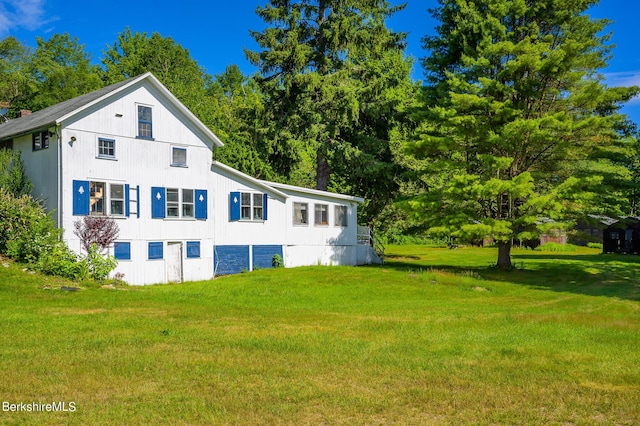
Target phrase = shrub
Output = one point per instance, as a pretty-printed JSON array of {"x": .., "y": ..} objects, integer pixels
[
  {"x": 277, "y": 261},
  {"x": 12, "y": 174},
  {"x": 26, "y": 230},
  {"x": 63, "y": 262},
  {"x": 99, "y": 266},
  {"x": 595, "y": 245},
  {"x": 557, "y": 247}
]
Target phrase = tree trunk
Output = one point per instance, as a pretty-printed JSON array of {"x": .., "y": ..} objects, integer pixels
[
  {"x": 504, "y": 255},
  {"x": 323, "y": 172}
]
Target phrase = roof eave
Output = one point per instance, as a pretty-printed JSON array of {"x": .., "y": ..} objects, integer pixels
[{"x": 259, "y": 183}]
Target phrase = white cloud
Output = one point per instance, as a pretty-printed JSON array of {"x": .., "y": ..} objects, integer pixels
[
  {"x": 16, "y": 14},
  {"x": 622, "y": 79}
]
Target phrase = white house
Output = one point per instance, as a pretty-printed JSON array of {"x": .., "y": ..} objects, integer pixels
[{"x": 133, "y": 152}]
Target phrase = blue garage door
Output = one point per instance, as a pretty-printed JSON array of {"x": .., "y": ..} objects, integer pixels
[
  {"x": 263, "y": 255},
  {"x": 230, "y": 259}
]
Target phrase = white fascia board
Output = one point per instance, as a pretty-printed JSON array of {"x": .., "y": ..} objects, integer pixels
[
  {"x": 315, "y": 192},
  {"x": 257, "y": 182}
]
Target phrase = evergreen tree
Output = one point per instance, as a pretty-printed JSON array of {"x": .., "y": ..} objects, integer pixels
[
  {"x": 239, "y": 115},
  {"x": 517, "y": 123},
  {"x": 334, "y": 78}
]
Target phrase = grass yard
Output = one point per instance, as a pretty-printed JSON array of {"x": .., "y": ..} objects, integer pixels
[{"x": 434, "y": 336}]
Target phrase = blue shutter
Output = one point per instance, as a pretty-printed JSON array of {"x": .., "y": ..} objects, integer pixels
[
  {"x": 155, "y": 250},
  {"x": 138, "y": 201},
  {"x": 122, "y": 251},
  {"x": 158, "y": 202},
  {"x": 201, "y": 204},
  {"x": 193, "y": 249},
  {"x": 127, "y": 210},
  {"x": 234, "y": 206},
  {"x": 264, "y": 206},
  {"x": 80, "y": 197}
]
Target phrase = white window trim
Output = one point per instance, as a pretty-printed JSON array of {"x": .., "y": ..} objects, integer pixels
[
  {"x": 336, "y": 207},
  {"x": 252, "y": 207},
  {"x": 106, "y": 199},
  {"x": 180, "y": 204},
  {"x": 294, "y": 214},
  {"x": 315, "y": 222}
]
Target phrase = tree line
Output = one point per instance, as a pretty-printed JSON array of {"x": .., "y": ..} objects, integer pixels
[{"x": 512, "y": 131}]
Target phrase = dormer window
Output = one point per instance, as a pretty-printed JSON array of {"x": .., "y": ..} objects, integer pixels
[{"x": 145, "y": 127}]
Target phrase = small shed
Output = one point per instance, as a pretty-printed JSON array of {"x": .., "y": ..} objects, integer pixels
[{"x": 622, "y": 236}]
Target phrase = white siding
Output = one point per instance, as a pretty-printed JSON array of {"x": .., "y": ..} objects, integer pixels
[{"x": 145, "y": 163}]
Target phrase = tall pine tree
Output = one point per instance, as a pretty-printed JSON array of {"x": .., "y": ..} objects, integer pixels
[
  {"x": 517, "y": 123},
  {"x": 334, "y": 79}
]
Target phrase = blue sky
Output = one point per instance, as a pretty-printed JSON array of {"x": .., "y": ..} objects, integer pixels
[{"x": 215, "y": 32}]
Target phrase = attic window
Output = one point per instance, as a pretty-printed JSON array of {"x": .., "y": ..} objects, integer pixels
[
  {"x": 179, "y": 157},
  {"x": 40, "y": 140},
  {"x": 106, "y": 148},
  {"x": 145, "y": 125}
]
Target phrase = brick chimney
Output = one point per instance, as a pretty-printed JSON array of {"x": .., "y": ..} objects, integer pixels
[{"x": 24, "y": 112}]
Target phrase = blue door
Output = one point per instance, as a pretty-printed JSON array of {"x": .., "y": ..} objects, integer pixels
[
  {"x": 230, "y": 259},
  {"x": 263, "y": 255}
]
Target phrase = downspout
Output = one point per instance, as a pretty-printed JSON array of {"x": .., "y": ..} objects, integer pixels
[{"x": 59, "y": 170}]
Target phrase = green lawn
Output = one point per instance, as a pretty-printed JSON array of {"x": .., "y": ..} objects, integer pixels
[{"x": 434, "y": 336}]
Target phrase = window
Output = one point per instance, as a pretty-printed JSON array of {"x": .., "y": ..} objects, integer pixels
[
  {"x": 178, "y": 157},
  {"x": 248, "y": 206},
  {"x": 40, "y": 140},
  {"x": 340, "y": 215},
  {"x": 145, "y": 129},
  {"x": 122, "y": 251},
  {"x": 96, "y": 198},
  {"x": 177, "y": 206},
  {"x": 300, "y": 214},
  {"x": 193, "y": 249},
  {"x": 321, "y": 214},
  {"x": 117, "y": 199},
  {"x": 155, "y": 250},
  {"x": 106, "y": 148},
  {"x": 187, "y": 203},
  {"x": 173, "y": 202},
  {"x": 257, "y": 206},
  {"x": 245, "y": 206},
  {"x": 251, "y": 206}
]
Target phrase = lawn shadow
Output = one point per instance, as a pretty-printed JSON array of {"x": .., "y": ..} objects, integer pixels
[{"x": 594, "y": 275}]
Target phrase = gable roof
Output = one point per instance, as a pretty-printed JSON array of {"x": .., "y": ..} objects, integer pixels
[{"x": 56, "y": 114}]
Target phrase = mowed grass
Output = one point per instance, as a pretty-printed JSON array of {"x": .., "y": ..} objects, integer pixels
[{"x": 434, "y": 336}]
